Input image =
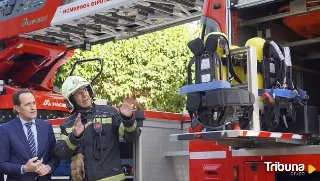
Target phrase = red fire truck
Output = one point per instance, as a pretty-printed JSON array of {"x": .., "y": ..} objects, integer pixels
[{"x": 280, "y": 143}]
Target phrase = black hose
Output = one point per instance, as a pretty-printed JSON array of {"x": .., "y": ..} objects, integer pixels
[
  {"x": 220, "y": 69},
  {"x": 267, "y": 62},
  {"x": 204, "y": 26},
  {"x": 229, "y": 63},
  {"x": 193, "y": 60}
]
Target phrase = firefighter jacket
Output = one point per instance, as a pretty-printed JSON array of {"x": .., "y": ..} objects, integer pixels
[{"x": 100, "y": 147}]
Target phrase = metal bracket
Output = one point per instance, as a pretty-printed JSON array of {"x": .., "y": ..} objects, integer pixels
[
  {"x": 233, "y": 4},
  {"x": 298, "y": 6},
  {"x": 86, "y": 46}
]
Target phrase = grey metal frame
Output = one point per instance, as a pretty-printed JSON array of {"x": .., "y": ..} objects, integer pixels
[
  {"x": 296, "y": 7},
  {"x": 252, "y": 81},
  {"x": 249, "y": 3}
]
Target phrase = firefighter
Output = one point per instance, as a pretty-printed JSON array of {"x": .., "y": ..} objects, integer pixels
[{"x": 90, "y": 135}]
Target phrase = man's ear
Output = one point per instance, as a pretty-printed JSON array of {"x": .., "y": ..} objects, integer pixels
[{"x": 16, "y": 108}]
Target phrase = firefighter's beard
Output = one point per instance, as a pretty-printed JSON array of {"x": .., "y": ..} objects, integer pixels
[
  {"x": 85, "y": 105},
  {"x": 84, "y": 108}
]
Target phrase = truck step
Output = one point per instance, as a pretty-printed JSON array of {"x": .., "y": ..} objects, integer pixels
[{"x": 245, "y": 138}]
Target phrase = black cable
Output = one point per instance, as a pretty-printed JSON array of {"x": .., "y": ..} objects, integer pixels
[{"x": 229, "y": 63}]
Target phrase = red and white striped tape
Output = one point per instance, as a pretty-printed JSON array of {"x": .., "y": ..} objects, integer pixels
[{"x": 264, "y": 134}]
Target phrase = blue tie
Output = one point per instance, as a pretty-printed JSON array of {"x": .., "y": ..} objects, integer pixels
[{"x": 31, "y": 141}]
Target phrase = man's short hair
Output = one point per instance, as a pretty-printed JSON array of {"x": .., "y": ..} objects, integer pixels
[{"x": 16, "y": 95}]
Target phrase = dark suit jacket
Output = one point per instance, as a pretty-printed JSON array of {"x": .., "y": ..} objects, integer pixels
[{"x": 15, "y": 150}]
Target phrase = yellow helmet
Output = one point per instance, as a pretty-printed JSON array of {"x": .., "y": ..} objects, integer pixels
[{"x": 71, "y": 85}]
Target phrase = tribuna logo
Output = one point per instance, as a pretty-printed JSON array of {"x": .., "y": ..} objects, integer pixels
[{"x": 277, "y": 166}]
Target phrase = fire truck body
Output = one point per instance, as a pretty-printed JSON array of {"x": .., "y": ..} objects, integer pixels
[
  {"x": 242, "y": 155},
  {"x": 42, "y": 38}
]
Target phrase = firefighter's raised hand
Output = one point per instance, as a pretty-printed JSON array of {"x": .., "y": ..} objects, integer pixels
[
  {"x": 128, "y": 106},
  {"x": 79, "y": 127}
]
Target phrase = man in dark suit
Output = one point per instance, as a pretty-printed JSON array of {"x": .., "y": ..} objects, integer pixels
[{"x": 27, "y": 143}]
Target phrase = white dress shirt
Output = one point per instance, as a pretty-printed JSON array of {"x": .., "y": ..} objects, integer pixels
[{"x": 34, "y": 131}]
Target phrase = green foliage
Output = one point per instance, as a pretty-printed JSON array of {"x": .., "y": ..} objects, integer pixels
[{"x": 152, "y": 67}]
